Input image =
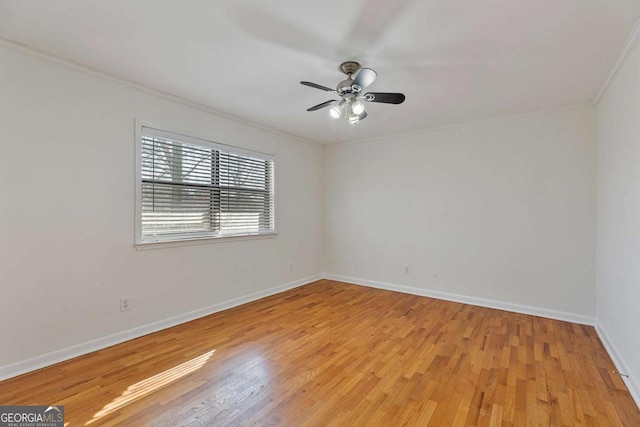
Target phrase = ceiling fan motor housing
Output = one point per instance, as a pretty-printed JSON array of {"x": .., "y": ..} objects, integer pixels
[
  {"x": 347, "y": 86},
  {"x": 349, "y": 67}
]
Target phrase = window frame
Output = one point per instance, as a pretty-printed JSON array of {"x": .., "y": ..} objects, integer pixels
[{"x": 146, "y": 128}]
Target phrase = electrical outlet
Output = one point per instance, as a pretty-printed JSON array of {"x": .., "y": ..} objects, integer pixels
[
  {"x": 290, "y": 268},
  {"x": 434, "y": 275},
  {"x": 125, "y": 303},
  {"x": 406, "y": 270}
]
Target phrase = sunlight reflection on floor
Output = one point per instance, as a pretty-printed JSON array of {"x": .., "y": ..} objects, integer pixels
[{"x": 151, "y": 384}]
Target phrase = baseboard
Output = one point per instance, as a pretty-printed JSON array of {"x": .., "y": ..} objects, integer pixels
[
  {"x": 38, "y": 362},
  {"x": 482, "y": 302},
  {"x": 631, "y": 381}
]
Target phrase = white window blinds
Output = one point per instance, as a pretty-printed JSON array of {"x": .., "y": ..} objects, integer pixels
[{"x": 192, "y": 188}]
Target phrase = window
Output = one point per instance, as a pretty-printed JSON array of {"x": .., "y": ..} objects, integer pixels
[{"x": 190, "y": 188}]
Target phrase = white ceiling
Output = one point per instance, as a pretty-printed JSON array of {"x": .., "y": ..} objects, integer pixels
[{"x": 456, "y": 60}]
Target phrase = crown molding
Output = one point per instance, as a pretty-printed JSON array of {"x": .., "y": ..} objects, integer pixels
[
  {"x": 138, "y": 86},
  {"x": 622, "y": 55},
  {"x": 559, "y": 109},
  {"x": 629, "y": 44}
]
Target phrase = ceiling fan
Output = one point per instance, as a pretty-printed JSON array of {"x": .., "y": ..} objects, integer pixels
[{"x": 350, "y": 106}]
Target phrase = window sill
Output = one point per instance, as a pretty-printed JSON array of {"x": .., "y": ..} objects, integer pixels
[{"x": 192, "y": 241}]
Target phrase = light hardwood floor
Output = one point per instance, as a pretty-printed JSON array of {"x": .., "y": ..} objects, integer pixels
[{"x": 331, "y": 353}]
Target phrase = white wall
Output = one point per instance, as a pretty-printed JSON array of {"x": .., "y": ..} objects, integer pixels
[
  {"x": 618, "y": 217},
  {"x": 502, "y": 210},
  {"x": 67, "y": 212}
]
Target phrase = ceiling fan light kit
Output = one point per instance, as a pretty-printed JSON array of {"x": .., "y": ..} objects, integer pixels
[{"x": 350, "y": 106}]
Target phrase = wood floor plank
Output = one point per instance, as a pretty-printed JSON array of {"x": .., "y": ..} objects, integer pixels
[{"x": 330, "y": 353}]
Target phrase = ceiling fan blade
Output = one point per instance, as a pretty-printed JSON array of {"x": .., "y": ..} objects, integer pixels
[
  {"x": 319, "y": 106},
  {"x": 365, "y": 77},
  {"x": 386, "y": 97},
  {"x": 317, "y": 86}
]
